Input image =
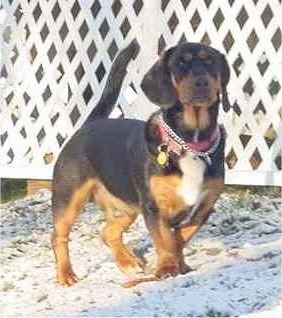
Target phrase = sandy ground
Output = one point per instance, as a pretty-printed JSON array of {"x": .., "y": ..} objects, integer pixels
[{"x": 236, "y": 259}]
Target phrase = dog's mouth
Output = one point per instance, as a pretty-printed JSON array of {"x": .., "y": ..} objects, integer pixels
[
  {"x": 200, "y": 101},
  {"x": 196, "y": 100}
]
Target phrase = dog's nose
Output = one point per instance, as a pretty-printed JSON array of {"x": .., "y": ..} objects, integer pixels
[{"x": 201, "y": 82}]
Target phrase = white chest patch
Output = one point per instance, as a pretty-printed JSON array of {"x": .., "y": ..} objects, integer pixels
[{"x": 193, "y": 174}]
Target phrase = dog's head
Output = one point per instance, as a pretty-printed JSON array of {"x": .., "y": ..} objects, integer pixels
[{"x": 193, "y": 74}]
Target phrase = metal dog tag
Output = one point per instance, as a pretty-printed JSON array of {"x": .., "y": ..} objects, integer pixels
[{"x": 162, "y": 158}]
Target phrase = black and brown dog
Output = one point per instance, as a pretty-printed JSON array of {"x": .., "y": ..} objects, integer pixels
[{"x": 170, "y": 168}]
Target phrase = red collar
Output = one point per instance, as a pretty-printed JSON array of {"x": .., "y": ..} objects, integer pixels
[{"x": 177, "y": 145}]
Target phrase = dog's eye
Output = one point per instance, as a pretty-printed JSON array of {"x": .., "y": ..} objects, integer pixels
[{"x": 186, "y": 58}]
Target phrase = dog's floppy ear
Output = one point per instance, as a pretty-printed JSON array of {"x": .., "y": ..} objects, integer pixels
[
  {"x": 225, "y": 76},
  {"x": 157, "y": 84}
]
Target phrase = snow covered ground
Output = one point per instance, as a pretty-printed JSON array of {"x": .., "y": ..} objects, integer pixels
[{"x": 236, "y": 259}]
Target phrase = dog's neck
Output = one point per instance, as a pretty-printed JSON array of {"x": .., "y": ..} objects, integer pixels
[
  {"x": 165, "y": 130},
  {"x": 173, "y": 117},
  {"x": 176, "y": 144}
]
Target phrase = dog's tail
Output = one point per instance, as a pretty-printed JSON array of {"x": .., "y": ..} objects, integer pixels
[{"x": 114, "y": 82}]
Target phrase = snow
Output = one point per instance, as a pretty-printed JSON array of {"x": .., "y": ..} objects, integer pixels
[{"x": 236, "y": 261}]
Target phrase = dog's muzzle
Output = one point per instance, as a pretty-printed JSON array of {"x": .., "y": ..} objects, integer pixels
[{"x": 201, "y": 91}]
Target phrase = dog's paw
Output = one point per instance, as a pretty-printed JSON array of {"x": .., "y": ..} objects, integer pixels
[
  {"x": 66, "y": 276},
  {"x": 167, "y": 268},
  {"x": 130, "y": 264}
]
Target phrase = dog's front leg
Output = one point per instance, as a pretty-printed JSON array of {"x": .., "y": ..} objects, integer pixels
[
  {"x": 213, "y": 187},
  {"x": 168, "y": 250}
]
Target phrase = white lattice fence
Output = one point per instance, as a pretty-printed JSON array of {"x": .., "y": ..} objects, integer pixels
[{"x": 56, "y": 55}]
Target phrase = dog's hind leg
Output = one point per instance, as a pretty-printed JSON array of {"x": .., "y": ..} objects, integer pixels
[
  {"x": 116, "y": 223},
  {"x": 66, "y": 205}
]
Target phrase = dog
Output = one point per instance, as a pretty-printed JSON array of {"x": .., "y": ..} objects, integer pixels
[{"x": 169, "y": 168}]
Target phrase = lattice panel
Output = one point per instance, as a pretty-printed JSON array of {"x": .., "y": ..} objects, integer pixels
[
  {"x": 56, "y": 58},
  {"x": 57, "y": 55}
]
